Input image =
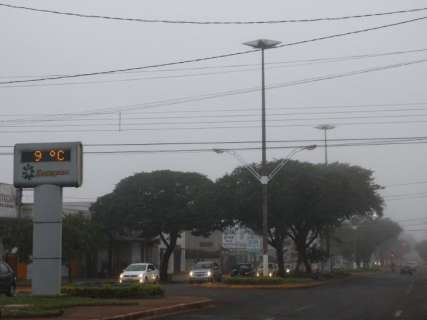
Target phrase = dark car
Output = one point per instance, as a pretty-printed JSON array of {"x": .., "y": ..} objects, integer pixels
[
  {"x": 7, "y": 280},
  {"x": 243, "y": 269}
]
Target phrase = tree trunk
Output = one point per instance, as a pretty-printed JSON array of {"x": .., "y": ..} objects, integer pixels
[
  {"x": 164, "y": 263},
  {"x": 280, "y": 261},
  {"x": 70, "y": 273},
  {"x": 110, "y": 257},
  {"x": 301, "y": 247}
]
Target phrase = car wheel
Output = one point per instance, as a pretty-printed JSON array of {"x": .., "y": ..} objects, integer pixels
[{"x": 12, "y": 291}]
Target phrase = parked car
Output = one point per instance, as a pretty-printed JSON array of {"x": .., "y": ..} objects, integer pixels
[
  {"x": 7, "y": 280},
  {"x": 140, "y": 272},
  {"x": 273, "y": 269},
  {"x": 205, "y": 271},
  {"x": 243, "y": 269}
]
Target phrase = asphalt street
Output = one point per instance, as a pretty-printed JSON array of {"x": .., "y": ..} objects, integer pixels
[{"x": 375, "y": 297}]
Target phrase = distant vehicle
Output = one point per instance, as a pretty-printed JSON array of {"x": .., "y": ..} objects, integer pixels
[
  {"x": 205, "y": 271},
  {"x": 243, "y": 269},
  {"x": 140, "y": 272},
  {"x": 408, "y": 267},
  {"x": 273, "y": 269},
  {"x": 7, "y": 280}
]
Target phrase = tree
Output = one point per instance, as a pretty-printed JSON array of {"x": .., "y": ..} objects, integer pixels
[
  {"x": 421, "y": 248},
  {"x": 359, "y": 241},
  {"x": 304, "y": 199},
  {"x": 163, "y": 204},
  {"x": 17, "y": 233},
  {"x": 81, "y": 238},
  {"x": 113, "y": 221}
]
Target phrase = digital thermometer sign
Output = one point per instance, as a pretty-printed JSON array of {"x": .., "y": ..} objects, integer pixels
[
  {"x": 57, "y": 163},
  {"x": 46, "y": 155}
]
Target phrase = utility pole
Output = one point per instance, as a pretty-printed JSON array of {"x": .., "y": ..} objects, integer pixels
[{"x": 325, "y": 128}]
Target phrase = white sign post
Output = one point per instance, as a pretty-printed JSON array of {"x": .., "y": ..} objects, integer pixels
[{"x": 47, "y": 167}]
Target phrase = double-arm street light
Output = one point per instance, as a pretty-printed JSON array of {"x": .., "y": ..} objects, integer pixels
[{"x": 264, "y": 178}]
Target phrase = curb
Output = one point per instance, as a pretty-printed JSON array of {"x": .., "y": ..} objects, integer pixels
[
  {"x": 157, "y": 312},
  {"x": 255, "y": 286}
]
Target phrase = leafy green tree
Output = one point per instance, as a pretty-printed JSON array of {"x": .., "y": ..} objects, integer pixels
[
  {"x": 304, "y": 199},
  {"x": 421, "y": 248},
  {"x": 114, "y": 220},
  {"x": 17, "y": 233},
  {"x": 163, "y": 204},
  {"x": 359, "y": 241},
  {"x": 81, "y": 238}
]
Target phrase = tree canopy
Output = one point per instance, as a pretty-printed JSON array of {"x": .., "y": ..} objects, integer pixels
[
  {"x": 162, "y": 204},
  {"x": 303, "y": 199}
]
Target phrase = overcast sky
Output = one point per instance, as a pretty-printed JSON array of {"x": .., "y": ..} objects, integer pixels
[{"x": 37, "y": 44}]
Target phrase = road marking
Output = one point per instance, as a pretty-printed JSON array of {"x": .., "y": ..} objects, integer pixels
[
  {"x": 304, "y": 308},
  {"x": 398, "y": 313}
]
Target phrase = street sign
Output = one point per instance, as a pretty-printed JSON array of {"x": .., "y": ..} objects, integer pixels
[{"x": 58, "y": 164}]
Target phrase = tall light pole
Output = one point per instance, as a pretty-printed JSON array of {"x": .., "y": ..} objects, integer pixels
[
  {"x": 325, "y": 128},
  {"x": 264, "y": 178},
  {"x": 263, "y": 44}
]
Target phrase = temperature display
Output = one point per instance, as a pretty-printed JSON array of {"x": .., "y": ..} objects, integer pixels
[{"x": 58, "y": 155}]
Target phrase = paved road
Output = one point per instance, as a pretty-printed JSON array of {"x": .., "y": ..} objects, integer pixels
[{"x": 378, "y": 297}]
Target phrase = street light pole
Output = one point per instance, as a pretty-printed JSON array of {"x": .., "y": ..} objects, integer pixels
[
  {"x": 325, "y": 128},
  {"x": 264, "y": 44},
  {"x": 264, "y": 178}
]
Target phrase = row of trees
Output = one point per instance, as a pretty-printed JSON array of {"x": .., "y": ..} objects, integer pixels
[{"x": 304, "y": 201}]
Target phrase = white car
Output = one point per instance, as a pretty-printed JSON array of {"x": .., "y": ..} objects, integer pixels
[{"x": 140, "y": 272}]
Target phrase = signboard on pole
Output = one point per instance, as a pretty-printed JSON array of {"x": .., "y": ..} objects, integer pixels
[
  {"x": 241, "y": 238},
  {"x": 8, "y": 207}
]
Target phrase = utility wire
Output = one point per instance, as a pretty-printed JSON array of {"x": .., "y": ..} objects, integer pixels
[
  {"x": 169, "y": 21},
  {"x": 286, "y": 63},
  {"x": 85, "y": 74},
  {"x": 216, "y": 142},
  {"x": 31, "y": 121},
  {"x": 169, "y": 102},
  {"x": 124, "y": 124},
  {"x": 197, "y": 150}
]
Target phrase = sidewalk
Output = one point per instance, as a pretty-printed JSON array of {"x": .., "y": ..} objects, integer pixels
[{"x": 146, "y": 308}]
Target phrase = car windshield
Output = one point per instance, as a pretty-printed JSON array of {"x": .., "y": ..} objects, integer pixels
[
  {"x": 203, "y": 265},
  {"x": 136, "y": 267},
  {"x": 244, "y": 266}
]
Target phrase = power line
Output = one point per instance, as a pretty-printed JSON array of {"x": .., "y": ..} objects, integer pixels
[
  {"x": 169, "y": 21},
  {"x": 85, "y": 74},
  {"x": 286, "y": 63},
  {"x": 197, "y": 150},
  {"x": 169, "y": 102},
  {"x": 125, "y": 124},
  {"x": 31, "y": 121},
  {"x": 406, "y": 184},
  {"x": 222, "y": 142}
]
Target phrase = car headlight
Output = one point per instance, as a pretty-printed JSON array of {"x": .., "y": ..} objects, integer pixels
[
  {"x": 121, "y": 276},
  {"x": 191, "y": 273},
  {"x": 288, "y": 270},
  {"x": 140, "y": 275},
  {"x": 270, "y": 274},
  {"x": 257, "y": 274},
  {"x": 209, "y": 273}
]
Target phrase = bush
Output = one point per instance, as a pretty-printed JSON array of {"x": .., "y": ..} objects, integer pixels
[
  {"x": 136, "y": 291},
  {"x": 254, "y": 280}
]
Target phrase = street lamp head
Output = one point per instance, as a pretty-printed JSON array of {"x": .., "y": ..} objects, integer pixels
[
  {"x": 325, "y": 127},
  {"x": 310, "y": 147},
  {"x": 262, "y": 43},
  {"x": 219, "y": 151}
]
